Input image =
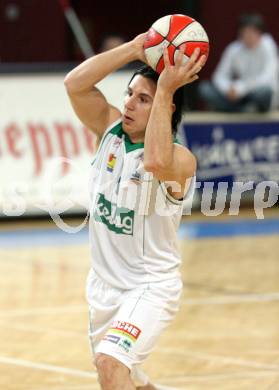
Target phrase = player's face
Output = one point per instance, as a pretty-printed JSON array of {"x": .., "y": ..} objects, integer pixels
[
  {"x": 250, "y": 36},
  {"x": 137, "y": 106}
]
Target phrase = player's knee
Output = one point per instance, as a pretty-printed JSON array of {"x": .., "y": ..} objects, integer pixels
[
  {"x": 103, "y": 363},
  {"x": 109, "y": 369}
]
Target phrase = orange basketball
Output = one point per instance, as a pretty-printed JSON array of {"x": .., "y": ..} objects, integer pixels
[{"x": 172, "y": 31}]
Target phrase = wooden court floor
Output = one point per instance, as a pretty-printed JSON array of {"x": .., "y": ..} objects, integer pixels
[{"x": 225, "y": 336}]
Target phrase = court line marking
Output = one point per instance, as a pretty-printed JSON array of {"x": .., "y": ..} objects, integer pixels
[
  {"x": 215, "y": 300},
  {"x": 47, "y": 367},
  {"x": 86, "y": 374},
  {"x": 39, "y": 329},
  {"x": 224, "y": 359},
  {"x": 57, "y": 369},
  {"x": 198, "y": 355},
  {"x": 274, "y": 383},
  {"x": 44, "y": 311},
  {"x": 206, "y": 378},
  {"x": 83, "y": 335},
  {"x": 5, "y": 323},
  {"x": 91, "y": 386},
  {"x": 231, "y": 299},
  {"x": 266, "y": 351}
]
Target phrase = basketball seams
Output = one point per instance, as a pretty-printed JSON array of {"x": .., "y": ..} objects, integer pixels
[
  {"x": 159, "y": 33},
  {"x": 172, "y": 52},
  {"x": 163, "y": 25},
  {"x": 172, "y": 58},
  {"x": 197, "y": 25},
  {"x": 149, "y": 47},
  {"x": 179, "y": 32},
  {"x": 177, "y": 47},
  {"x": 169, "y": 29},
  {"x": 172, "y": 33},
  {"x": 156, "y": 44},
  {"x": 170, "y": 20},
  {"x": 193, "y": 42},
  {"x": 160, "y": 65}
]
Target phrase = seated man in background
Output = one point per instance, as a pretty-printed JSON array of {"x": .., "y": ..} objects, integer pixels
[
  {"x": 111, "y": 41},
  {"x": 246, "y": 78}
]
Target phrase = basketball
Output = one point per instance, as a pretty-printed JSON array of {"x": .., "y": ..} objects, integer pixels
[{"x": 172, "y": 31}]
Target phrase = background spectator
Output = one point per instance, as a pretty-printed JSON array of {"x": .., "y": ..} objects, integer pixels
[
  {"x": 111, "y": 41},
  {"x": 246, "y": 78}
]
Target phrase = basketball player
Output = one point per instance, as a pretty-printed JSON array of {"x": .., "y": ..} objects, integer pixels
[{"x": 134, "y": 284}]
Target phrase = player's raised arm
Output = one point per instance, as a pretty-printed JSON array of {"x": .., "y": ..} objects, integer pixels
[
  {"x": 89, "y": 103},
  {"x": 167, "y": 161}
]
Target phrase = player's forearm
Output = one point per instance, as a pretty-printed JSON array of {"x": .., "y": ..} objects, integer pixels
[
  {"x": 90, "y": 72},
  {"x": 158, "y": 141}
]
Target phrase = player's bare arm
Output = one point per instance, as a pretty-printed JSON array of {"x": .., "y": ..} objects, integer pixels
[
  {"x": 166, "y": 160},
  {"x": 87, "y": 100}
]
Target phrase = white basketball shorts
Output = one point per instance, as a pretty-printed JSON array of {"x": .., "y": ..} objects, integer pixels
[{"x": 126, "y": 324}]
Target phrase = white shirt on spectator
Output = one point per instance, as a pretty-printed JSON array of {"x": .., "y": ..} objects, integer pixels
[{"x": 246, "y": 69}]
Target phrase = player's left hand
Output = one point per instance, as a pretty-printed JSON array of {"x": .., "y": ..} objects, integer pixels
[
  {"x": 232, "y": 94},
  {"x": 175, "y": 76},
  {"x": 138, "y": 43}
]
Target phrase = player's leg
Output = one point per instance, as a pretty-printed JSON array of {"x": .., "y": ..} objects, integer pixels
[
  {"x": 144, "y": 314},
  {"x": 213, "y": 98},
  {"x": 261, "y": 98},
  {"x": 113, "y": 375},
  {"x": 104, "y": 302}
]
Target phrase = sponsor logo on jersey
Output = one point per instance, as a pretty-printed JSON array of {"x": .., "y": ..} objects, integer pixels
[
  {"x": 120, "y": 220},
  {"x": 125, "y": 328},
  {"x": 125, "y": 344},
  {"x": 111, "y": 162},
  {"x": 112, "y": 338},
  {"x": 136, "y": 177},
  {"x": 117, "y": 142},
  {"x": 112, "y": 156}
]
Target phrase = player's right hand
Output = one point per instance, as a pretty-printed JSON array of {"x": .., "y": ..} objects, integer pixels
[
  {"x": 175, "y": 76},
  {"x": 138, "y": 42}
]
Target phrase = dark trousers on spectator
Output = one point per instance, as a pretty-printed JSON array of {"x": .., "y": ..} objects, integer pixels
[{"x": 258, "y": 100}]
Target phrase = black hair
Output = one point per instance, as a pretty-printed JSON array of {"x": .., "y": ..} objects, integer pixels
[
  {"x": 251, "y": 20},
  {"x": 178, "y": 97}
]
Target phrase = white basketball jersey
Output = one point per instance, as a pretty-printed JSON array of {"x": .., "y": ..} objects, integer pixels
[{"x": 133, "y": 219}]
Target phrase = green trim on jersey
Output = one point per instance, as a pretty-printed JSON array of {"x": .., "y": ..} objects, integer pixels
[
  {"x": 176, "y": 141},
  {"x": 117, "y": 130},
  {"x": 129, "y": 145}
]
